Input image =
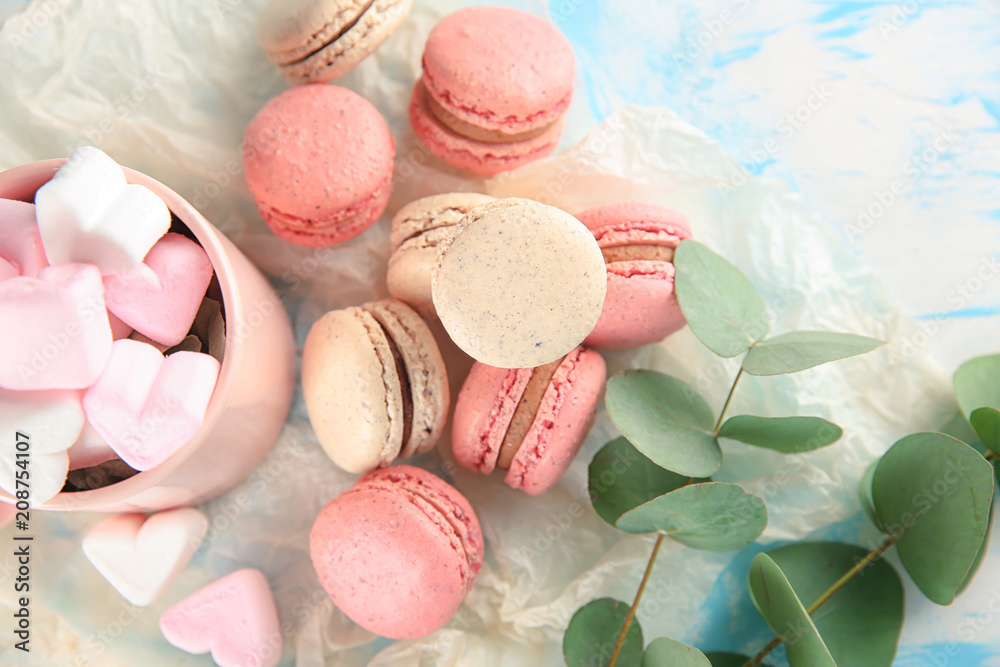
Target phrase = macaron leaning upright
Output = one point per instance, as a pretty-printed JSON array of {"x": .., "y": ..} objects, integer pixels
[
  {"x": 638, "y": 242},
  {"x": 527, "y": 421},
  {"x": 375, "y": 385},
  {"x": 398, "y": 552},
  {"x": 318, "y": 160},
  {"x": 314, "y": 41},
  {"x": 418, "y": 230},
  {"x": 495, "y": 87}
]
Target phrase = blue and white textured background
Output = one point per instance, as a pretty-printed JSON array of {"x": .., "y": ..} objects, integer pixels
[{"x": 884, "y": 116}]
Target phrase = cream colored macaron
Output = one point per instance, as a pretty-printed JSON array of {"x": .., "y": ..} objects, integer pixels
[
  {"x": 314, "y": 41},
  {"x": 520, "y": 284},
  {"x": 417, "y": 231},
  {"x": 374, "y": 384}
]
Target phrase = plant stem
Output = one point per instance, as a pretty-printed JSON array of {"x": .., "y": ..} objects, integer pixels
[
  {"x": 990, "y": 456},
  {"x": 638, "y": 596},
  {"x": 722, "y": 415},
  {"x": 870, "y": 558}
]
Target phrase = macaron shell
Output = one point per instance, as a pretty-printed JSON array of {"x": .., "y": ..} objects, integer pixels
[
  {"x": 561, "y": 425},
  {"x": 432, "y": 212},
  {"x": 336, "y": 47},
  {"x": 318, "y": 160},
  {"x": 479, "y": 157},
  {"x": 483, "y": 411},
  {"x": 351, "y": 390},
  {"x": 425, "y": 370},
  {"x": 627, "y": 216},
  {"x": 499, "y": 68},
  {"x": 389, "y": 561}
]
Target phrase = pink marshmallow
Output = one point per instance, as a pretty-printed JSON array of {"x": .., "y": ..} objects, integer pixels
[
  {"x": 119, "y": 329},
  {"x": 20, "y": 242},
  {"x": 89, "y": 449},
  {"x": 7, "y": 270},
  {"x": 235, "y": 618},
  {"x": 160, "y": 297},
  {"x": 56, "y": 334},
  {"x": 145, "y": 406}
]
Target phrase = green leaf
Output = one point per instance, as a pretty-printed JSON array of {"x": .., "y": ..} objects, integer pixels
[
  {"x": 621, "y": 478},
  {"x": 593, "y": 633},
  {"x": 959, "y": 428},
  {"x": 666, "y": 420},
  {"x": 665, "y": 652},
  {"x": 716, "y": 516},
  {"x": 865, "y": 494},
  {"x": 861, "y": 624},
  {"x": 721, "y": 306},
  {"x": 729, "y": 660},
  {"x": 977, "y": 384},
  {"x": 784, "y": 434},
  {"x": 781, "y": 608},
  {"x": 986, "y": 421},
  {"x": 799, "y": 350},
  {"x": 978, "y": 560},
  {"x": 935, "y": 492}
]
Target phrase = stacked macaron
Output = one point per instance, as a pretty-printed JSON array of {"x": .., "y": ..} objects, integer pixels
[{"x": 104, "y": 371}]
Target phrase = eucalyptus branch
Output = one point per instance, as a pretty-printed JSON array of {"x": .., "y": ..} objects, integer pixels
[
  {"x": 870, "y": 558},
  {"x": 638, "y": 596},
  {"x": 722, "y": 415}
]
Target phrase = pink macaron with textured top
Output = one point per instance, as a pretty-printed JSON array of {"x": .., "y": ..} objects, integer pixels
[
  {"x": 496, "y": 85},
  {"x": 638, "y": 242},
  {"x": 318, "y": 160},
  {"x": 398, "y": 552},
  {"x": 527, "y": 421}
]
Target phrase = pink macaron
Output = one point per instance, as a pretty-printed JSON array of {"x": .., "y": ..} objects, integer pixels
[
  {"x": 528, "y": 421},
  {"x": 318, "y": 160},
  {"x": 638, "y": 241},
  {"x": 398, "y": 551},
  {"x": 496, "y": 85}
]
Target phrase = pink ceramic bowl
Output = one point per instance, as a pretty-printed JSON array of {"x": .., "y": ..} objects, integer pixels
[{"x": 254, "y": 392}]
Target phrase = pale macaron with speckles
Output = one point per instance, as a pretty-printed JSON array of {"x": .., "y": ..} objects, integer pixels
[
  {"x": 398, "y": 552},
  {"x": 529, "y": 422},
  {"x": 495, "y": 88},
  {"x": 318, "y": 160},
  {"x": 374, "y": 384},
  {"x": 417, "y": 230},
  {"x": 314, "y": 41},
  {"x": 520, "y": 284},
  {"x": 638, "y": 242}
]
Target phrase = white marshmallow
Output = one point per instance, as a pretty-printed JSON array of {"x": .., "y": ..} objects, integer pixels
[{"x": 89, "y": 450}]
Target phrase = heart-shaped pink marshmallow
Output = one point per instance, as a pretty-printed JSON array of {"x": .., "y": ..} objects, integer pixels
[
  {"x": 234, "y": 618},
  {"x": 145, "y": 406},
  {"x": 55, "y": 332},
  {"x": 20, "y": 241},
  {"x": 159, "y": 298}
]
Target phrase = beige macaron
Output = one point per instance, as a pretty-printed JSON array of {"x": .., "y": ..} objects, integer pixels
[
  {"x": 417, "y": 231},
  {"x": 374, "y": 384},
  {"x": 315, "y": 41},
  {"x": 519, "y": 284}
]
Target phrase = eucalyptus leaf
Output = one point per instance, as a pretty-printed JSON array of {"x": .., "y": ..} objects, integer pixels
[
  {"x": 865, "y": 494},
  {"x": 986, "y": 422},
  {"x": 935, "y": 493},
  {"x": 716, "y": 516},
  {"x": 977, "y": 384},
  {"x": 729, "y": 660},
  {"x": 781, "y": 608},
  {"x": 667, "y": 420},
  {"x": 978, "y": 560},
  {"x": 720, "y": 304},
  {"x": 621, "y": 478},
  {"x": 959, "y": 428},
  {"x": 593, "y": 633},
  {"x": 665, "y": 652},
  {"x": 799, "y": 350},
  {"x": 784, "y": 434},
  {"x": 861, "y": 624}
]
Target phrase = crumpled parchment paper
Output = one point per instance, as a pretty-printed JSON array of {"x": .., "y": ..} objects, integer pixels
[{"x": 168, "y": 87}]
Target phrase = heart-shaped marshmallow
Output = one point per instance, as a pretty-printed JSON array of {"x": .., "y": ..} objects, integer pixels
[
  {"x": 20, "y": 242},
  {"x": 145, "y": 406},
  {"x": 89, "y": 450},
  {"x": 88, "y": 213},
  {"x": 140, "y": 557},
  {"x": 234, "y": 618},
  {"x": 52, "y": 422},
  {"x": 7, "y": 270},
  {"x": 159, "y": 298},
  {"x": 56, "y": 333}
]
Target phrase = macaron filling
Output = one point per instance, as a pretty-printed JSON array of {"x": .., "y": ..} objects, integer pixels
[
  {"x": 638, "y": 252},
  {"x": 322, "y": 38},
  {"x": 466, "y": 129},
  {"x": 525, "y": 413},
  {"x": 406, "y": 390}
]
